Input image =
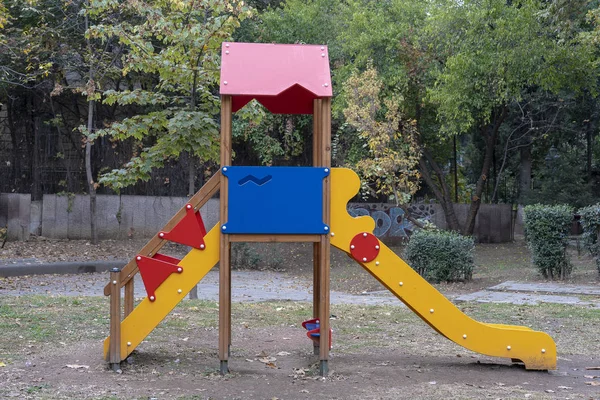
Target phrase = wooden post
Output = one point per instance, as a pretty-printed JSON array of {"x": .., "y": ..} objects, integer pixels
[
  {"x": 325, "y": 140},
  {"x": 128, "y": 298},
  {"x": 114, "y": 352},
  {"x": 225, "y": 250},
  {"x": 317, "y": 162}
]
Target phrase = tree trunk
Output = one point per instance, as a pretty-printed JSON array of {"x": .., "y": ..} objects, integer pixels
[
  {"x": 525, "y": 172},
  {"x": 442, "y": 192},
  {"x": 88, "y": 143},
  {"x": 16, "y": 151},
  {"x": 490, "y": 147},
  {"x": 191, "y": 175},
  {"x": 36, "y": 185},
  {"x": 88, "y": 173}
]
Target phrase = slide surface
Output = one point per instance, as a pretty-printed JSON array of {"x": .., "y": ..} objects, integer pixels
[
  {"x": 147, "y": 315},
  {"x": 535, "y": 349}
]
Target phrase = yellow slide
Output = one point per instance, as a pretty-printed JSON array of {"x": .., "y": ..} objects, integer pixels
[
  {"x": 535, "y": 349},
  {"x": 147, "y": 315}
]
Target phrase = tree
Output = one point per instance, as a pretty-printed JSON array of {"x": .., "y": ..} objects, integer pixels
[
  {"x": 391, "y": 139},
  {"x": 171, "y": 60},
  {"x": 495, "y": 51}
]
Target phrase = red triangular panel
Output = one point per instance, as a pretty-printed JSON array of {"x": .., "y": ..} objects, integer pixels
[
  {"x": 154, "y": 272},
  {"x": 190, "y": 231}
]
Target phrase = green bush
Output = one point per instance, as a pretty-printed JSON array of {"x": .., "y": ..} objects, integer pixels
[
  {"x": 547, "y": 232},
  {"x": 590, "y": 222},
  {"x": 441, "y": 255}
]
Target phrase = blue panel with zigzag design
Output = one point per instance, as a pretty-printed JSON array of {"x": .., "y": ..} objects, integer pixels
[{"x": 275, "y": 200}]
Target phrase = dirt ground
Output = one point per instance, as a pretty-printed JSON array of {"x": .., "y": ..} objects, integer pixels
[{"x": 50, "y": 347}]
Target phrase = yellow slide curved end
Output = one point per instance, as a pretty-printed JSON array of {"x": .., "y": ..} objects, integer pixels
[
  {"x": 535, "y": 349},
  {"x": 148, "y": 314}
]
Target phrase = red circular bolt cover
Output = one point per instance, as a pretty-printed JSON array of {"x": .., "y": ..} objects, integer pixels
[{"x": 364, "y": 247}]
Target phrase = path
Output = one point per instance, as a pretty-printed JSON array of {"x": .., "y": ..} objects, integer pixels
[{"x": 256, "y": 286}]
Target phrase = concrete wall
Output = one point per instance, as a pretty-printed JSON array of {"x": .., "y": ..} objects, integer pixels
[
  {"x": 493, "y": 223},
  {"x": 15, "y": 214},
  {"x": 118, "y": 217}
]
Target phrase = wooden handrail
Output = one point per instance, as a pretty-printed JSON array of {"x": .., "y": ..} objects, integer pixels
[{"x": 156, "y": 243}]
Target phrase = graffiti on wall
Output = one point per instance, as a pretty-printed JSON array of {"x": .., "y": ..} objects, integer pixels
[{"x": 391, "y": 221}]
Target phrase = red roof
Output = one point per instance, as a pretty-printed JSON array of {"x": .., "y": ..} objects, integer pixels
[{"x": 285, "y": 78}]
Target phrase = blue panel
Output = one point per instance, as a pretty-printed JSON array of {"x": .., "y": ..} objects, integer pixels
[{"x": 275, "y": 200}]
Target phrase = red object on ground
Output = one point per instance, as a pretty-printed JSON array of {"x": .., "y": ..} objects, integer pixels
[
  {"x": 364, "y": 247},
  {"x": 154, "y": 272},
  {"x": 190, "y": 231},
  {"x": 285, "y": 78},
  {"x": 313, "y": 327}
]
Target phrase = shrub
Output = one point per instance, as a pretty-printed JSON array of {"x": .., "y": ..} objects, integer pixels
[
  {"x": 590, "y": 222},
  {"x": 547, "y": 232},
  {"x": 441, "y": 255}
]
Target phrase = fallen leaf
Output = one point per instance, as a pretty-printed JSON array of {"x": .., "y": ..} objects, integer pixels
[
  {"x": 2, "y": 364},
  {"x": 283, "y": 353},
  {"x": 267, "y": 360},
  {"x": 565, "y": 387},
  {"x": 593, "y": 383},
  {"x": 77, "y": 366},
  {"x": 271, "y": 365},
  {"x": 591, "y": 376},
  {"x": 592, "y": 368}
]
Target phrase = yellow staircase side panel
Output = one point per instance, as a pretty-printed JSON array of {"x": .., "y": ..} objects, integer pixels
[
  {"x": 147, "y": 315},
  {"x": 536, "y": 349}
]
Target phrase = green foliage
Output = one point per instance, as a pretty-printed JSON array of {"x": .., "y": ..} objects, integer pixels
[
  {"x": 547, "y": 231},
  {"x": 441, "y": 256},
  {"x": 495, "y": 51},
  {"x": 561, "y": 180},
  {"x": 171, "y": 58},
  {"x": 590, "y": 222}
]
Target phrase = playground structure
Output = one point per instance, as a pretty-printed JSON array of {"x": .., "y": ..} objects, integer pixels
[{"x": 288, "y": 79}]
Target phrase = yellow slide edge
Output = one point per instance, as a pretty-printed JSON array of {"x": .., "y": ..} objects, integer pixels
[
  {"x": 536, "y": 349},
  {"x": 148, "y": 314}
]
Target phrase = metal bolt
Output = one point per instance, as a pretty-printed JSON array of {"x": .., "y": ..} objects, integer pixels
[
  {"x": 224, "y": 227},
  {"x": 179, "y": 269},
  {"x": 376, "y": 262},
  {"x": 139, "y": 258},
  {"x": 227, "y": 52},
  {"x": 179, "y": 290},
  {"x": 202, "y": 246},
  {"x": 326, "y": 228},
  {"x": 161, "y": 234},
  {"x": 352, "y": 246},
  {"x": 332, "y": 234},
  {"x": 322, "y": 54},
  {"x": 543, "y": 351},
  {"x": 465, "y": 336},
  {"x": 401, "y": 283},
  {"x": 151, "y": 298},
  {"x": 189, "y": 206},
  {"x": 224, "y": 169},
  {"x": 431, "y": 310},
  {"x": 376, "y": 247},
  {"x": 326, "y": 84},
  {"x": 226, "y": 44},
  {"x": 326, "y": 169},
  {"x": 322, "y": 47},
  {"x": 128, "y": 343},
  {"x": 364, "y": 259},
  {"x": 224, "y": 82},
  {"x": 365, "y": 234},
  {"x": 507, "y": 347},
  {"x": 114, "y": 282}
]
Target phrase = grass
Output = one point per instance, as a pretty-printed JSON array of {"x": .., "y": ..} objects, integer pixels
[{"x": 55, "y": 321}]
